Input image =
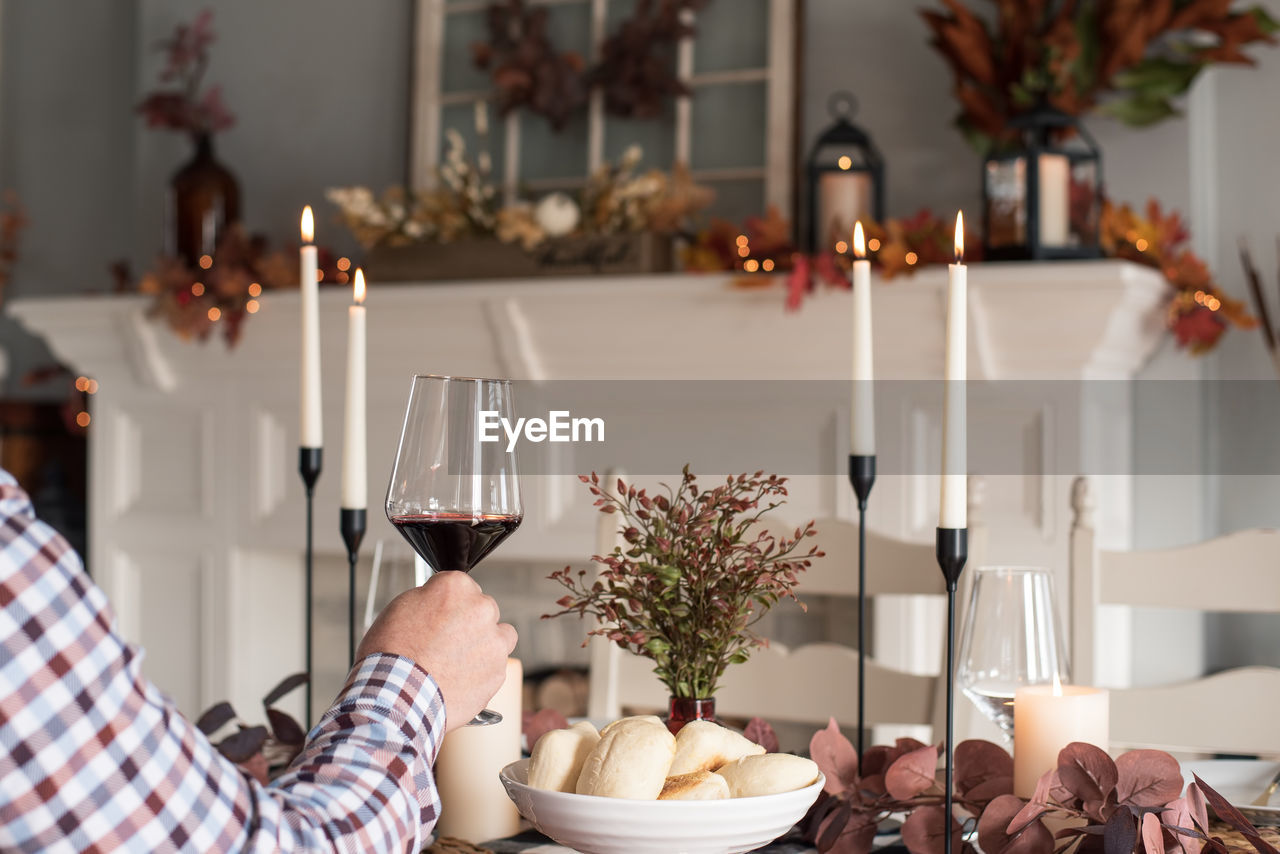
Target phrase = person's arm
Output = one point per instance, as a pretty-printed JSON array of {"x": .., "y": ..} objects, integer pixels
[
  {"x": 96, "y": 757},
  {"x": 364, "y": 778}
]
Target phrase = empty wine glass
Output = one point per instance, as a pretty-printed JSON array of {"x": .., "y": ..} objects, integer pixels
[{"x": 1011, "y": 638}]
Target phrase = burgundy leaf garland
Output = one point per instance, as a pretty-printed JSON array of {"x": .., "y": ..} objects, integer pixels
[{"x": 1132, "y": 805}]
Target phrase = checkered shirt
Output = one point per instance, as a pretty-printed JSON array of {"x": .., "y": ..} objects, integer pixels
[{"x": 94, "y": 758}]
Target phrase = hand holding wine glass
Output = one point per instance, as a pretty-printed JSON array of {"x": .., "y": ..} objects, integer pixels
[
  {"x": 452, "y": 496},
  {"x": 450, "y": 628}
]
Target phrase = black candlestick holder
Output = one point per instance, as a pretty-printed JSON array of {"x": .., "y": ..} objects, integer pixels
[
  {"x": 952, "y": 552},
  {"x": 310, "y": 462},
  {"x": 862, "y": 474},
  {"x": 352, "y": 525}
]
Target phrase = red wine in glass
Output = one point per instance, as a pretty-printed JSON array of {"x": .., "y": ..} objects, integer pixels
[
  {"x": 455, "y": 541},
  {"x": 453, "y": 496}
]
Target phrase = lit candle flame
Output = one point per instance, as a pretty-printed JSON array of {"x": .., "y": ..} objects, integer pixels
[
  {"x": 959, "y": 237},
  {"x": 859, "y": 241},
  {"x": 1057, "y": 685},
  {"x": 358, "y": 288},
  {"x": 308, "y": 225}
]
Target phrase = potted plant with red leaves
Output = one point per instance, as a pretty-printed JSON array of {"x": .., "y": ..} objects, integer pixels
[
  {"x": 696, "y": 573},
  {"x": 259, "y": 751}
]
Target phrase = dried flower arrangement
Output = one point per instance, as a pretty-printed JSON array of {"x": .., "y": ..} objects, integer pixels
[
  {"x": 693, "y": 578},
  {"x": 1199, "y": 312},
  {"x": 526, "y": 69},
  {"x": 636, "y": 71},
  {"x": 179, "y": 104},
  {"x": 258, "y": 751},
  {"x": 617, "y": 199},
  {"x": 1125, "y": 59}
]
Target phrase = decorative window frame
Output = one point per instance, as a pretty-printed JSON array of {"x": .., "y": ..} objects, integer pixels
[{"x": 780, "y": 77}]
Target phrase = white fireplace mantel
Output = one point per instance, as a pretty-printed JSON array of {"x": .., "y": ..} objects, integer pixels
[{"x": 196, "y": 514}]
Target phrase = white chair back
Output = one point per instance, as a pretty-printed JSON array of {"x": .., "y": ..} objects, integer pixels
[{"x": 1228, "y": 712}]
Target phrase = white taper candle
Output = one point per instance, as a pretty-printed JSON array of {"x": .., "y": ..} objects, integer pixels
[
  {"x": 953, "y": 512},
  {"x": 862, "y": 429},
  {"x": 311, "y": 429},
  {"x": 355, "y": 488}
]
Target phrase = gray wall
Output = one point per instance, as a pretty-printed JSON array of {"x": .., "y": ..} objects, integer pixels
[{"x": 66, "y": 145}]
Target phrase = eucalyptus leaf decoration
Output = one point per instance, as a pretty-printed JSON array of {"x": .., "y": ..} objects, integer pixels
[
  {"x": 258, "y": 750},
  {"x": 1134, "y": 804},
  {"x": 1121, "y": 58},
  {"x": 696, "y": 573}
]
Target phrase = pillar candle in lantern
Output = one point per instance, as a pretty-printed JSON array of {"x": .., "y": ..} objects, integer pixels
[
  {"x": 1046, "y": 718},
  {"x": 953, "y": 512},
  {"x": 1055, "y": 200},
  {"x": 355, "y": 487},
  {"x": 311, "y": 431},
  {"x": 844, "y": 197},
  {"x": 862, "y": 424},
  {"x": 474, "y": 805}
]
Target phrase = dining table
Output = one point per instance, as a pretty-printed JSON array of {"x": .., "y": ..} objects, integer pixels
[
  {"x": 1239, "y": 780},
  {"x": 533, "y": 842}
]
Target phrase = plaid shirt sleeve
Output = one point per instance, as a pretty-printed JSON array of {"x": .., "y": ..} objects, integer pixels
[{"x": 94, "y": 758}]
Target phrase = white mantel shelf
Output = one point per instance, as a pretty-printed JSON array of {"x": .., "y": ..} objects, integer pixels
[
  {"x": 1087, "y": 319},
  {"x": 195, "y": 501}
]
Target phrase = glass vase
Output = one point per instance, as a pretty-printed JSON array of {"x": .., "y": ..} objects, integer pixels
[
  {"x": 203, "y": 200},
  {"x": 685, "y": 709}
]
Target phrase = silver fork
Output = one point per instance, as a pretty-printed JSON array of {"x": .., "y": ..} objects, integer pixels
[{"x": 1263, "y": 799}]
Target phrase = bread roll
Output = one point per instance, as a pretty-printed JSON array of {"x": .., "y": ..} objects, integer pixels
[
  {"x": 558, "y": 757},
  {"x": 768, "y": 774},
  {"x": 630, "y": 761},
  {"x": 701, "y": 786},
  {"x": 705, "y": 746},
  {"x": 634, "y": 719}
]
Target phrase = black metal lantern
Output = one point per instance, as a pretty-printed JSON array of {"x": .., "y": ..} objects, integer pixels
[
  {"x": 1050, "y": 211},
  {"x": 846, "y": 177}
]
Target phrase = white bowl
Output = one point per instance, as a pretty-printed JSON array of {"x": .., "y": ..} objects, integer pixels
[{"x": 595, "y": 825}]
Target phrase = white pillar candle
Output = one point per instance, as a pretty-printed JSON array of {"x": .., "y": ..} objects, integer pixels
[
  {"x": 474, "y": 805},
  {"x": 311, "y": 431},
  {"x": 355, "y": 488},
  {"x": 953, "y": 512},
  {"x": 1046, "y": 718},
  {"x": 843, "y": 199},
  {"x": 1055, "y": 200},
  {"x": 862, "y": 423}
]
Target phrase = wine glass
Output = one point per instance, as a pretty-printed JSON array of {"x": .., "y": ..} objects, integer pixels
[
  {"x": 453, "y": 496},
  {"x": 1011, "y": 638}
]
